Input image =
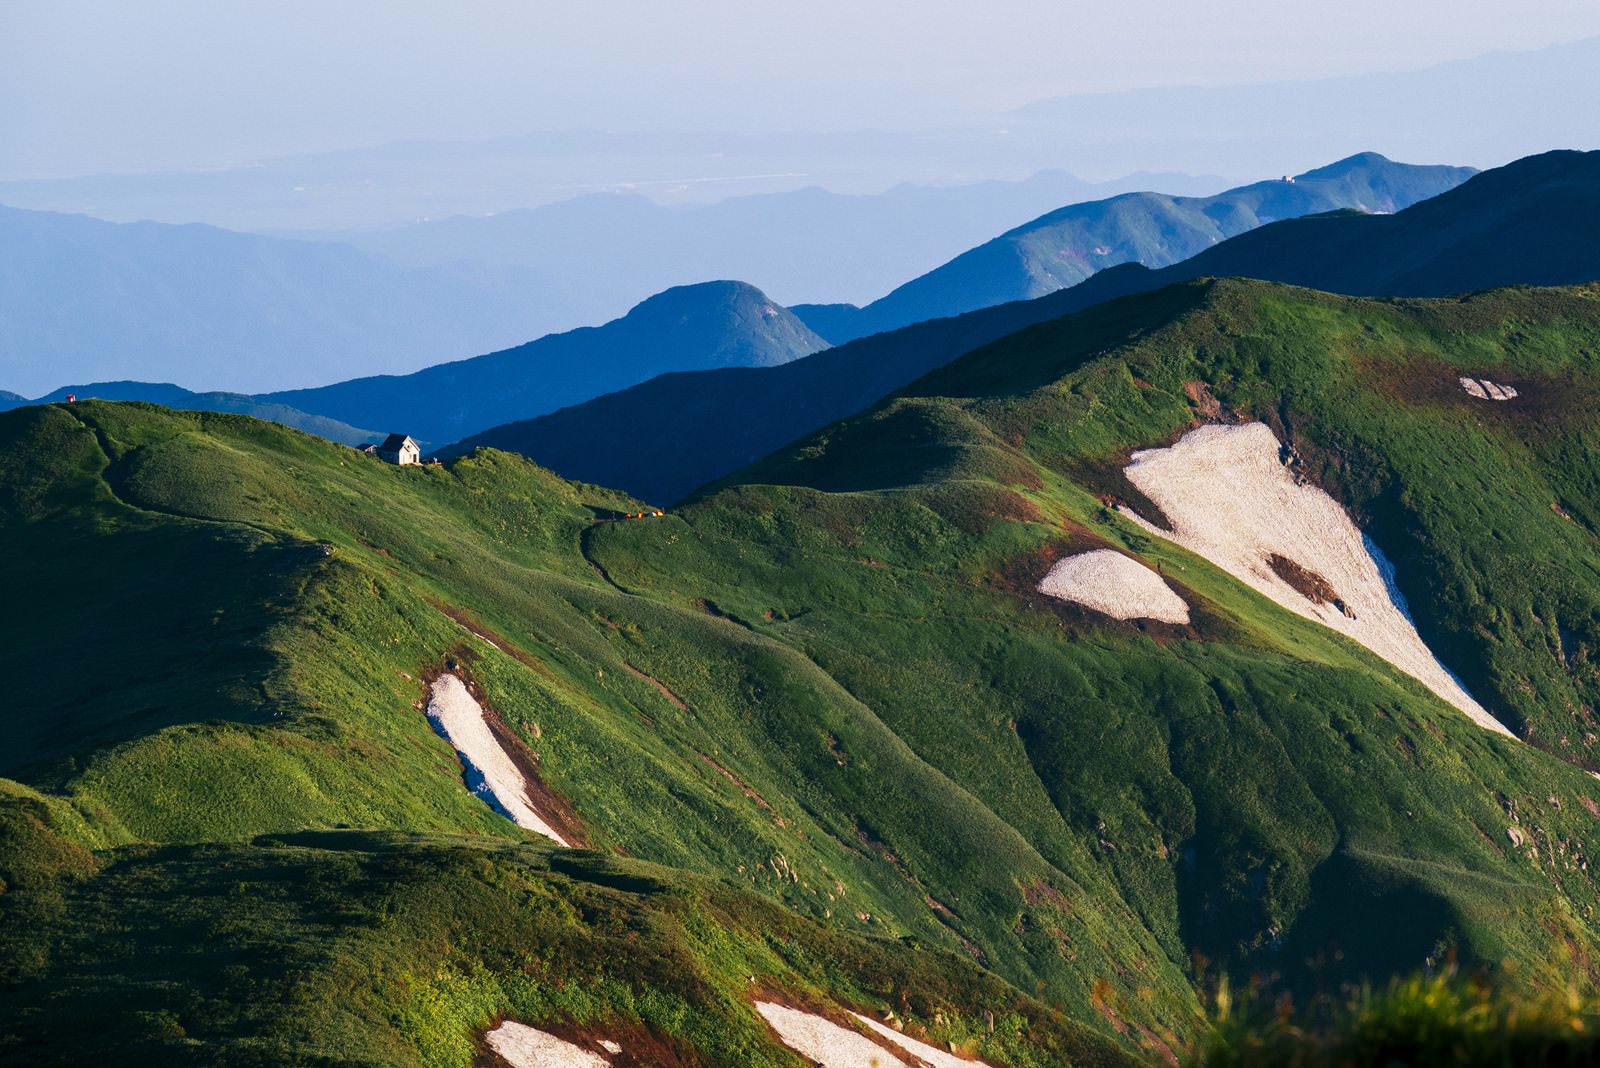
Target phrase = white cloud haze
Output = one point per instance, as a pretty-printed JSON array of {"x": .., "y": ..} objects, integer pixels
[{"x": 94, "y": 87}]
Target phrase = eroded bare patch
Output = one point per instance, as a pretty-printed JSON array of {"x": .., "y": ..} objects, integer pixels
[{"x": 1312, "y": 586}]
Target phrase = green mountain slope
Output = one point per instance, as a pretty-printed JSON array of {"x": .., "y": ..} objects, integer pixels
[
  {"x": 1459, "y": 497},
  {"x": 1065, "y": 246},
  {"x": 360, "y": 948},
  {"x": 265, "y": 606},
  {"x": 826, "y": 694}
]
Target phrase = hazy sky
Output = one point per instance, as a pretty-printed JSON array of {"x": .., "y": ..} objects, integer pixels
[{"x": 119, "y": 85}]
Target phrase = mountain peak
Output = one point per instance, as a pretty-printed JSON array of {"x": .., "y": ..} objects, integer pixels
[
  {"x": 1358, "y": 161},
  {"x": 729, "y": 286},
  {"x": 722, "y": 323},
  {"x": 733, "y": 324},
  {"x": 721, "y": 292}
]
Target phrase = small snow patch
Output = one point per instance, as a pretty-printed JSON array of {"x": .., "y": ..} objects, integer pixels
[
  {"x": 824, "y": 1042},
  {"x": 933, "y": 1056},
  {"x": 1117, "y": 585},
  {"x": 491, "y": 772},
  {"x": 1484, "y": 389},
  {"x": 1231, "y": 500},
  {"x": 526, "y": 1047}
]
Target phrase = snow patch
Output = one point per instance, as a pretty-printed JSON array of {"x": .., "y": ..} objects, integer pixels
[
  {"x": 824, "y": 1042},
  {"x": 1484, "y": 389},
  {"x": 933, "y": 1056},
  {"x": 1117, "y": 585},
  {"x": 1231, "y": 500},
  {"x": 491, "y": 773},
  {"x": 526, "y": 1047}
]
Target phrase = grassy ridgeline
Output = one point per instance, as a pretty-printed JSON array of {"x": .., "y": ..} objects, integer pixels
[
  {"x": 302, "y": 593},
  {"x": 828, "y": 683}
]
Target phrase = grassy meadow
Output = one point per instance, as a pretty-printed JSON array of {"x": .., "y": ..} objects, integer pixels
[{"x": 821, "y": 733}]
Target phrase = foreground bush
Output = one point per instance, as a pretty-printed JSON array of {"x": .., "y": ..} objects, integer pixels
[{"x": 1445, "y": 1019}]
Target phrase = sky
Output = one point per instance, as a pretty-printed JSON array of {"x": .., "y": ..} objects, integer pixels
[{"x": 117, "y": 86}]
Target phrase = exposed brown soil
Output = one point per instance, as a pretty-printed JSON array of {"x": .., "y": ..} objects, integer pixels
[
  {"x": 1108, "y": 480},
  {"x": 878, "y": 846},
  {"x": 1010, "y": 506},
  {"x": 1574, "y": 950},
  {"x": 1544, "y": 402},
  {"x": 556, "y": 810},
  {"x": 1158, "y": 1045},
  {"x": 1100, "y": 996},
  {"x": 1042, "y": 893},
  {"x": 499, "y": 641},
  {"x": 1204, "y": 401},
  {"x": 744, "y": 788},
  {"x": 658, "y": 684},
  {"x": 1310, "y": 585},
  {"x": 381, "y": 552},
  {"x": 975, "y": 509}
]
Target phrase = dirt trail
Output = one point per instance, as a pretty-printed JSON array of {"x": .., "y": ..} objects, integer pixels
[
  {"x": 1230, "y": 499},
  {"x": 583, "y": 548},
  {"x": 658, "y": 684}
]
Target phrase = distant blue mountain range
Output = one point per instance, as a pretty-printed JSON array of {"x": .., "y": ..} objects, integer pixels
[
  {"x": 1534, "y": 222},
  {"x": 1066, "y": 246}
]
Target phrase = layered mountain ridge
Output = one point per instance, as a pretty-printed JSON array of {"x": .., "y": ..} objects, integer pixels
[
  {"x": 1530, "y": 222},
  {"x": 1063, "y": 247},
  {"x": 687, "y": 328}
]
